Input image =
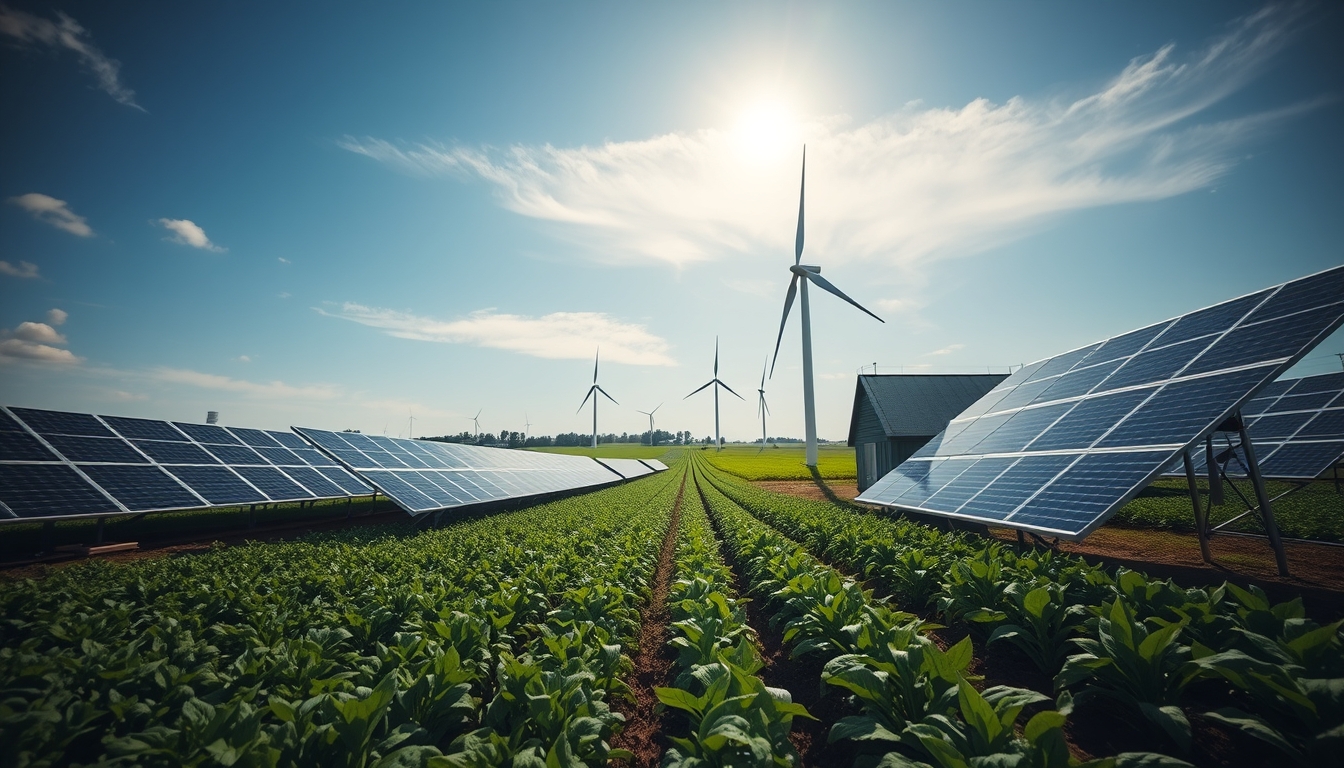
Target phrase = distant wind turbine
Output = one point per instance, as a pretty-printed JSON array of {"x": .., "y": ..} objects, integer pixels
[
  {"x": 761, "y": 407},
  {"x": 718, "y": 441},
  {"x": 527, "y": 425},
  {"x": 476, "y": 421},
  {"x": 592, "y": 392},
  {"x": 410, "y": 431},
  {"x": 806, "y": 273},
  {"x": 650, "y": 415}
]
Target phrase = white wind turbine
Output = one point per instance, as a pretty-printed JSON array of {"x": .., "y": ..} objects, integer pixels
[
  {"x": 806, "y": 273},
  {"x": 718, "y": 441},
  {"x": 476, "y": 421},
  {"x": 527, "y": 426},
  {"x": 650, "y": 415},
  {"x": 761, "y": 407},
  {"x": 592, "y": 392}
]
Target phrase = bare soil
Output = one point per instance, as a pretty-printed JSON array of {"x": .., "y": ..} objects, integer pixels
[{"x": 644, "y": 725}]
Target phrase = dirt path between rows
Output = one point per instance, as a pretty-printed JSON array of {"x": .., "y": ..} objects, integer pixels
[{"x": 644, "y": 727}]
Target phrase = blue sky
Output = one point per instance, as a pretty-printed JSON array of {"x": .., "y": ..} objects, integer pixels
[{"x": 339, "y": 218}]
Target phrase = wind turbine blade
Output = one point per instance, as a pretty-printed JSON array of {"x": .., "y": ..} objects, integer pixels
[
  {"x": 604, "y": 392},
  {"x": 716, "y": 356},
  {"x": 711, "y": 381},
  {"x": 802, "y": 185},
  {"x": 825, "y": 285},
  {"x": 788, "y": 304},
  {"x": 730, "y": 389},
  {"x": 655, "y": 410},
  {"x": 767, "y": 406},
  {"x": 585, "y": 397},
  {"x": 763, "y": 377},
  {"x": 595, "y": 357}
]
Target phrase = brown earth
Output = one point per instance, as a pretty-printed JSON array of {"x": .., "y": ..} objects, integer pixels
[{"x": 644, "y": 726}]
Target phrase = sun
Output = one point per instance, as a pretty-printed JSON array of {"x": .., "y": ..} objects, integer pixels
[{"x": 765, "y": 128}]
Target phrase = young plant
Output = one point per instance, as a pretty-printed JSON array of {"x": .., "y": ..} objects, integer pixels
[{"x": 1043, "y": 623}]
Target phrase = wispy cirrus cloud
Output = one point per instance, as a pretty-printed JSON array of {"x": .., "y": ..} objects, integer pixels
[
  {"x": 268, "y": 390},
  {"x": 903, "y": 188},
  {"x": 187, "y": 232},
  {"x": 55, "y": 212},
  {"x": 557, "y": 336},
  {"x": 25, "y": 270},
  {"x": 949, "y": 349},
  {"x": 66, "y": 33}
]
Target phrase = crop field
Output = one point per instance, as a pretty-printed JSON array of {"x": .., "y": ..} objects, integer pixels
[
  {"x": 783, "y": 462},
  {"x": 617, "y": 451},
  {"x": 684, "y": 619}
]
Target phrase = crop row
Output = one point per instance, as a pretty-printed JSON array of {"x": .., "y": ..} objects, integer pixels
[
  {"x": 1145, "y": 649},
  {"x": 735, "y": 719},
  {"x": 490, "y": 640}
]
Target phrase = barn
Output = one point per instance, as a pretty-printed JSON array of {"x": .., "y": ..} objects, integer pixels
[{"x": 896, "y": 414}]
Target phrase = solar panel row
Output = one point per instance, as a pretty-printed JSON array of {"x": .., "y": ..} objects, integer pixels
[
  {"x": 1296, "y": 427},
  {"x": 425, "y": 476},
  {"x": 55, "y": 464},
  {"x": 1061, "y": 444},
  {"x": 627, "y": 468}
]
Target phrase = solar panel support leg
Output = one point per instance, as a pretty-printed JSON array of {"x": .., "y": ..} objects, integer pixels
[
  {"x": 1201, "y": 519},
  {"x": 98, "y": 537},
  {"x": 349, "y": 506},
  {"x": 1021, "y": 538},
  {"x": 251, "y": 516},
  {"x": 48, "y": 537},
  {"x": 1262, "y": 497},
  {"x": 1215, "y": 475}
]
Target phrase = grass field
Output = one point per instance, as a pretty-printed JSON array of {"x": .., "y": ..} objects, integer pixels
[
  {"x": 1316, "y": 512},
  {"x": 834, "y": 462},
  {"x": 617, "y": 451}
]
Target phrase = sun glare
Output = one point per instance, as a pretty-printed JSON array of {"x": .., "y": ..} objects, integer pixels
[{"x": 766, "y": 128}]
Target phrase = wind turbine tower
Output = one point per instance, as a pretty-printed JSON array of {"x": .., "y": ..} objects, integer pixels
[
  {"x": 650, "y": 415},
  {"x": 718, "y": 441},
  {"x": 476, "y": 421},
  {"x": 592, "y": 392},
  {"x": 806, "y": 273},
  {"x": 761, "y": 407}
]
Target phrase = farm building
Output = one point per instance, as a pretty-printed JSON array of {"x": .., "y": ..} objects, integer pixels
[{"x": 896, "y": 414}]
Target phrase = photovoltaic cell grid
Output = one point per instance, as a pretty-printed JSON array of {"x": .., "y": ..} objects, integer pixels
[
  {"x": 1063, "y": 443},
  {"x": 55, "y": 465},
  {"x": 425, "y": 476},
  {"x": 1296, "y": 427},
  {"x": 626, "y": 468}
]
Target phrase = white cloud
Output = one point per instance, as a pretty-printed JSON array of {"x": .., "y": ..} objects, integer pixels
[
  {"x": 243, "y": 359},
  {"x": 283, "y": 260},
  {"x": 57, "y": 316},
  {"x": 284, "y": 295},
  {"x": 25, "y": 269},
  {"x": 559, "y": 335},
  {"x": 35, "y": 342},
  {"x": 54, "y": 212},
  {"x": 923, "y": 183},
  {"x": 267, "y": 390},
  {"x": 949, "y": 349},
  {"x": 187, "y": 232},
  {"x": 66, "y": 33}
]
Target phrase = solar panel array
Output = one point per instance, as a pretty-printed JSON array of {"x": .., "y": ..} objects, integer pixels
[
  {"x": 1296, "y": 427},
  {"x": 425, "y": 476},
  {"x": 654, "y": 464},
  {"x": 57, "y": 465},
  {"x": 626, "y": 468},
  {"x": 1061, "y": 444}
]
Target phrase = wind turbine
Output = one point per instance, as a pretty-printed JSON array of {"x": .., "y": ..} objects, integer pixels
[
  {"x": 761, "y": 407},
  {"x": 806, "y": 273},
  {"x": 527, "y": 425},
  {"x": 650, "y": 415},
  {"x": 718, "y": 441},
  {"x": 410, "y": 431},
  {"x": 476, "y": 420},
  {"x": 592, "y": 393}
]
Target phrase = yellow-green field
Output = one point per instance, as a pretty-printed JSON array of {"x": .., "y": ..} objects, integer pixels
[
  {"x": 617, "y": 451},
  {"x": 834, "y": 462}
]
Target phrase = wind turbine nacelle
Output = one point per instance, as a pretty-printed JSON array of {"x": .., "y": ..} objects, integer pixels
[{"x": 800, "y": 268}]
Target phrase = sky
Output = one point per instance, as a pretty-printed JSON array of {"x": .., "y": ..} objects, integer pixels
[{"x": 359, "y": 216}]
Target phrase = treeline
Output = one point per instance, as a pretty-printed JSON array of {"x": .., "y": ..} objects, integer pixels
[{"x": 519, "y": 440}]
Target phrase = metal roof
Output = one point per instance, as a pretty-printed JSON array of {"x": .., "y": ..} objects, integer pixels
[{"x": 921, "y": 404}]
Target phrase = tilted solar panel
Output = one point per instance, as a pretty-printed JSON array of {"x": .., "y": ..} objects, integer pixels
[
  {"x": 426, "y": 476},
  {"x": 1061, "y": 444},
  {"x": 626, "y": 468},
  {"x": 655, "y": 465},
  {"x": 57, "y": 465},
  {"x": 1296, "y": 427}
]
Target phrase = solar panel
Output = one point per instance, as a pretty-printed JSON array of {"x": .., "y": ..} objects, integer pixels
[
  {"x": 56, "y": 465},
  {"x": 655, "y": 465},
  {"x": 626, "y": 468},
  {"x": 1296, "y": 427},
  {"x": 426, "y": 476},
  {"x": 1063, "y": 443}
]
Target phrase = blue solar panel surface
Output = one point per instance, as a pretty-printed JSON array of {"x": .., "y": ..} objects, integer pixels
[
  {"x": 1061, "y": 444},
  {"x": 55, "y": 464},
  {"x": 426, "y": 476}
]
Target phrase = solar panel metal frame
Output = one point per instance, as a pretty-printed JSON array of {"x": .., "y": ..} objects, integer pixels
[
  {"x": 115, "y": 433},
  {"x": 1257, "y": 310},
  {"x": 482, "y": 474},
  {"x": 628, "y": 469}
]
